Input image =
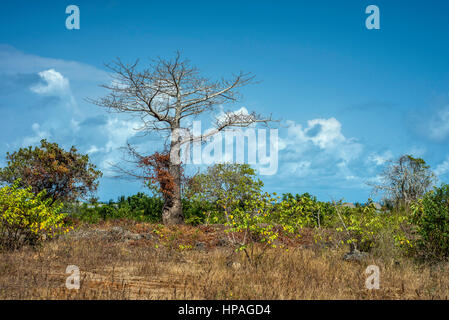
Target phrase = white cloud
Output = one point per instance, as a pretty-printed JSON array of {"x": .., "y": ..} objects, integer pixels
[
  {"x": 442, "y": 168},
  {"x": 322, "y": 133},
  {"x": 299, "y": 169},
  {"x": 439, "y": 126},
  {"x": 319, "y": 154},
  {"x": 39, "y": 134},
  {"x": 118, "y": 132},
  {"x": 55, "y": 83},
  {"x": 93, "y": 149},
  {"x": 380, "y": 159},
  {"x": 328, "y": 132},
  {"x": 75, "y": 125},
  {"x": 13, "y": 61},
  {"x": 222, "y": 115}
]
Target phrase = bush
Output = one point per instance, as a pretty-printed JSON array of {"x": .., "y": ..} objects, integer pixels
[
  {"x": 361, "y": 226},
  {"x": 65, "y": 175},
  {"x": 252, "y": 221},
  {"x": 430, "y": 215},
  {"x": 302, "y": 211},
  {"x": 227, "y": 185},
  {"x": 139, "y": 207},
  {"x": 26, "y": 218},
  {"x": 198, "y": 212}
]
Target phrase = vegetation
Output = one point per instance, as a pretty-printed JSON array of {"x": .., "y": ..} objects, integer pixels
[
  {"x": 431, "y": 218},
  {"x": 167, "y": 95},
  {"x": 169, "y": 266},
  {"x": 64, "y": 175},
  {"x": 405, "y": 180},
  {"x": 227, "y": 213},
  {"x": 26, "y": 218}
]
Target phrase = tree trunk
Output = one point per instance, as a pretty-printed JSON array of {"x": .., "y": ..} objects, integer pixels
[{"x": 172, "y": 211}]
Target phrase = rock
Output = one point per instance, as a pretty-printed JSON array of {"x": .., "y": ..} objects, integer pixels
[
  {"x": 102, "y": 233},
  {"x": 233, "y": 265},
  {"x": 147, "y": 236},
  {"x": 118, "y": 230},
  {"x": 236, "y": 265},
  {"x": 222, "y": 242},
  {"x": 354, "y": 255},
  {"x": 200, "y": 246},
  {"x": 133, "y": 236}
]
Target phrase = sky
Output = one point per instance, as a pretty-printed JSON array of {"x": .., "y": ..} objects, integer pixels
[{"x": 348, "y": 99}]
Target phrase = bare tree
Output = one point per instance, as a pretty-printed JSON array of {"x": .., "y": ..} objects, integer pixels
[
  {"x": 166, "y": 96},
  {"x": 405, "y": 180}
]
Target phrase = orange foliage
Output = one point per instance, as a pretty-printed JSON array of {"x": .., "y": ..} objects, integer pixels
[{"x": 157, "y": 169}]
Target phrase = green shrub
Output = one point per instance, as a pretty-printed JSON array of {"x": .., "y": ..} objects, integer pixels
[
  {"x": 252, "y": 221},
  {"x": 198, "y": 211},
  {"x": 302, "y": 211},
  {"x": 430, "y": 215},
  {"x": 26, "y": 218},
  {"x": 139, "y": 207},
  {"x": 361, "y": 225}
]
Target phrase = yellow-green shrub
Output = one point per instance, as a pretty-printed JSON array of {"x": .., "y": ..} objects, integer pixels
[{"x": 26, "y": 218}]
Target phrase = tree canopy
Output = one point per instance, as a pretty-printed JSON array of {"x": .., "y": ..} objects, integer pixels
[
  {"x": 64, "y": 175},
  {"x": 405, "y": 180}
]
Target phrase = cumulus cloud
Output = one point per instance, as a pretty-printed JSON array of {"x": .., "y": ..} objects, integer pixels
[
  {"x": 54, "y": 83},
  {"x": 319, "y": 154},
  {"x": 324, "y": 134},
  {"x": 118, "y": 132},
  {"x": 49, "y": 94},
  {"x": 442, "y": 168},
  {"x": 112, "y": 136}
]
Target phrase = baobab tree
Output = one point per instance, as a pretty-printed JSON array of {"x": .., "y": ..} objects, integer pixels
[{"x": 167, "y": 95}]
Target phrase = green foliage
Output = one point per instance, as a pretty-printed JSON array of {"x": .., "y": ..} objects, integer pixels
[
  {"x": 220, "y": 182},
  {"x": 251, "y": 220},
  {"x": 365, "y": 228},
  {"x": 198, "y": 212},
  {"x": 26, "y": 218},
  {"x": 302, "y": 211},
  {"x": 430, "y": 215},
  {"x": 64, "y": 175},
  {"x": 139, "y": 207},
  {"x": 361, "y": 225}
]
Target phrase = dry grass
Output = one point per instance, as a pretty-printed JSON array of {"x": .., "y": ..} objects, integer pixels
[{"x": 139, "y": 270}]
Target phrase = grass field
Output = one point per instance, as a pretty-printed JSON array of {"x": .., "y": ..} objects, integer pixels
[{"x": 186, "y": 262}]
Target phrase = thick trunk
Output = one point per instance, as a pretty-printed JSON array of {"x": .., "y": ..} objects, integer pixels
[{"x": 172, "y": 212}]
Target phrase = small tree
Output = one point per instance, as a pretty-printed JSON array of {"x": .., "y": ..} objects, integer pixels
[
  {"x": 238, "y": 198},
  {"x": 26, "y": 218},
  {"x": 430, "y": 215},
  {"x": 405, "y": 180},
  {"x": 64, "y": 175},
  {"x": 229, "y": 184}
]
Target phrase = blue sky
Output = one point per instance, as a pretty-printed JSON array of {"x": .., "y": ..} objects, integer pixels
[{"x": 349, "y": 98}]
